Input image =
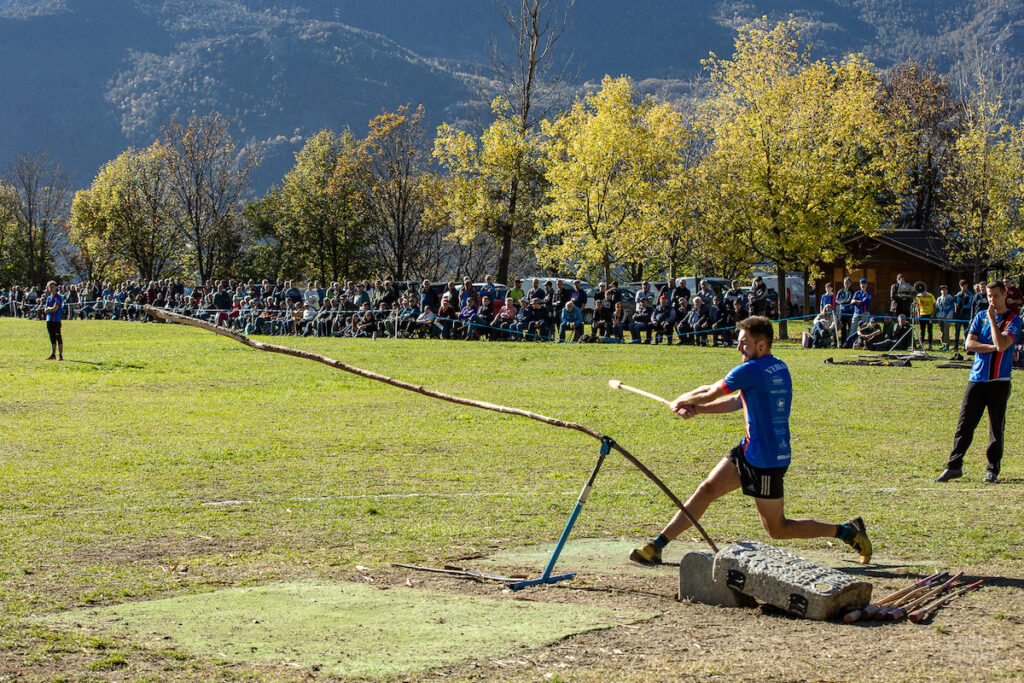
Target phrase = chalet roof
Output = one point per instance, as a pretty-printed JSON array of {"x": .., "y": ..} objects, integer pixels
[{"x": 926, "y": 245}]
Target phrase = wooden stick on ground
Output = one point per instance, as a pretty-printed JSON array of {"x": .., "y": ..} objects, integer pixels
[
  {"x": 923, "y": 613},
  {"x": 338, "y": 365}
]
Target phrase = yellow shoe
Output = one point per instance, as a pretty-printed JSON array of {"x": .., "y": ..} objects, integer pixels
[
  {"x": 648, "y": 555},
  {"x": 859, "y": 541}
]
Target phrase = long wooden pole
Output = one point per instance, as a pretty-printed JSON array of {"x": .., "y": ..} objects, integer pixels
[{"x": 338, "y": 365}]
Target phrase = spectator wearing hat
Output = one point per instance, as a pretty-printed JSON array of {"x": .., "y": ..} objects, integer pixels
[
  {"x": 867, "y": 335},
  {"x": 516, "y": 293},
  {"x": 900, "y": 340},
  {"x": 945, "y": 312},
  {"x": 663, "y": 319}
]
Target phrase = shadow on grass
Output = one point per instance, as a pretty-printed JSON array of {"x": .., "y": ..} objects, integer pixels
[{"x": 107, "y": 365}]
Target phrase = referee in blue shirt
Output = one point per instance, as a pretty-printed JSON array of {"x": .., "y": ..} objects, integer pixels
[
  {"x": 991, "y": 337},
  {"x": 762, "y": 388}
]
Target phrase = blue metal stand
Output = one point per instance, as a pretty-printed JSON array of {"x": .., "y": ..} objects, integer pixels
[{"x": 606, "y": 445}]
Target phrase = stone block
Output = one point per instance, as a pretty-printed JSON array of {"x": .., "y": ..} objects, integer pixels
[
  {"x": 696, "y": 583},
  {"x": 778, "y": 577}
]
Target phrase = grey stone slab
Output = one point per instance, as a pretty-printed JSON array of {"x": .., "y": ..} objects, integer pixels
[
  {"x": 697, "y": 584},
  {"x": 789, "y": 582}
]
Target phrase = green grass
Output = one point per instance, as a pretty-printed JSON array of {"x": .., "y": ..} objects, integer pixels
[{"x": 114, "y": 460}]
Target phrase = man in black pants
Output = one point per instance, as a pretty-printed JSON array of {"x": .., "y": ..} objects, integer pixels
[{"x": 991, "y": 337}]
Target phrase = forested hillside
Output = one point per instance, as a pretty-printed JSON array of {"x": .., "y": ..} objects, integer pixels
[{"x": 83, "y": 79}]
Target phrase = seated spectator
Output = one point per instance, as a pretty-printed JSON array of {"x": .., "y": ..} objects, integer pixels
[
  {"x": 600, "y": 324},
  {"x": 480, "y": 323},
  {"x": 619, "y": 321},
  {"x": 700, "y": 321},
  {"x": 641, "y": 321},
  {"x": 683, "y": 328},
  {"x": 505, "y": 318},
  {"x": 900, "y": 340},
  {"x": 446, "y": 316},
  {"x": 663, "y": 319},
  {"x": 823, "y": 328},
  {"x": 306, "y": 325},
  {"x": 868, "y": 334},
  {"x": 523, "y": 319},
  {"x": 570, "y": 320},
  {"x": 464, "y": 327},
  {"x": 426, "y": 324},
  {"x": 539, "y": 328}
]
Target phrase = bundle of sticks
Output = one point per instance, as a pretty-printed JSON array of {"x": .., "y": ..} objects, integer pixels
[
  {"x": 877, "y": 361},
  {"x": 918, "y": 601}
]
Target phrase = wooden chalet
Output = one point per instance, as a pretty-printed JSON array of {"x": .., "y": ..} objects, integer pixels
[{"x": 918, "y": 254}]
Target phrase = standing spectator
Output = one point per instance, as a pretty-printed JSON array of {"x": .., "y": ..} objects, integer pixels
[
  {"x": 721, "y": 321},
  {"x": 550, "y": 298},
  {"x": 536, "y": 292},
  {"x": 993, "y": 332},
  {"x": 734, "y": 294},
  {"x": 428, "y": 297},
  {"x": 644, "y": 293},
  {"x": 861, "y": 307},
  {"x": 901, "y": 294},
  {"x": 828, "y": 298},
  {"x": 980, "y": 301},
  {"x": 945, "y": 311},
  {"x": 563, "y": 294},
  {"x": 663, "y": 320},
  {"x": 963, "y": 299},
  {"x": 222, "y": 305},
  {"x": 1014, "y": 297},
  {"x": 641, "y": 320},
  {"x": 844, "y": 307},
  {"x": 488, "y": 288},
  {"x": 312, "y": 297},
  {"x": 54, "y": 308},
  {"x": 467, "y": 292},
  {"x": 578, "y": 296},
  {"x": 759, "y": 294},
  {"x": 571, "y": 319},
  {"x": 925, "y": 312},
  {"x": 679, "y": 291},
  {"x": 614, "y": 294},
  {"x": 517, "y": 292},
  {"x": 705, "y": 293}
]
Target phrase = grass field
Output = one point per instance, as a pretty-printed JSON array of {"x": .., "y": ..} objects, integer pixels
[{"x": 160, "y": 460}]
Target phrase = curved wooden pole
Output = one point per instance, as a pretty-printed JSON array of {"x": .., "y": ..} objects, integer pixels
[{"x": 273, "y": 348}]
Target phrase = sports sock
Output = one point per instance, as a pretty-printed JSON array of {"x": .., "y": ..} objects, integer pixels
[
  {"x": 659, "y": 541},
  {"x": 844, "y": 532}
]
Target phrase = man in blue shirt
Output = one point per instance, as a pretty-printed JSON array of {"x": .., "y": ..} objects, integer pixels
[
  {"x": 762, "y": 387},
  {"x": 53, "y": 309},
  {"x": 991, "y": 337}
]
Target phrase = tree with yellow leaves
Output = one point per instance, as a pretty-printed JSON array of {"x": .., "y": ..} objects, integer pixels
[
  {"x": 802, "y": 155},
  {"x": 984, "y": 188},
  {"x": 606, "y": 159}
]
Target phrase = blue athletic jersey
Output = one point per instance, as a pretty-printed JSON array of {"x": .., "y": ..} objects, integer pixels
[
  {"x": 766, "y": 390},
  {"x": 56, "y": 315},
  {"x": 996, "y": 366}
]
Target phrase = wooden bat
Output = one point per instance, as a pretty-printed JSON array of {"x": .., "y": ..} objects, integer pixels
[
  {"x": 923, "y": 613},
  {"x": 617, "y": 384},
  {"x": 909, "y": 605},
  {"x": 869, "y": 611}
]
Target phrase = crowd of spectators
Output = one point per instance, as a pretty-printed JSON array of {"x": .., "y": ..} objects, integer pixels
[{"x": 552, "y": 312}]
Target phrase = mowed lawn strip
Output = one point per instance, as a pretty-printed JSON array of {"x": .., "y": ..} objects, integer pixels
[{"x": 155, "y": 445}]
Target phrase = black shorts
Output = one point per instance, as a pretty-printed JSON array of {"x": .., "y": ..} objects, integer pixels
[
  {"x": 757, "y": 482},
  {"x": 54, "y": 329}
]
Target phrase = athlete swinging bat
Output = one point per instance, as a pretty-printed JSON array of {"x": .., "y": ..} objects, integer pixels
[{"x": 761, "y": 387}]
